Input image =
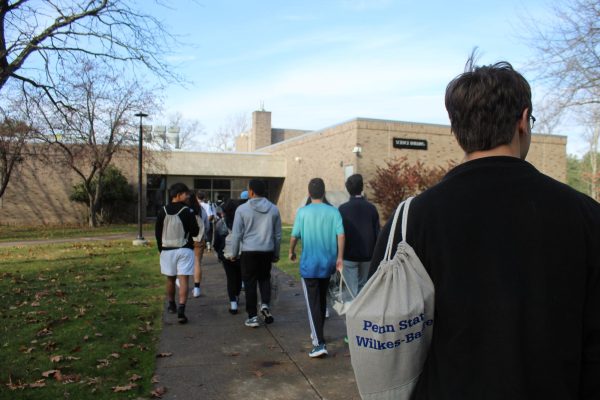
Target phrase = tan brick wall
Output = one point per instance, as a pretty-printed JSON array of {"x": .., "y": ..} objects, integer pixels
[
  {"x": 318, "y": 154},
  {"x": 279, "y": 135},
  {"x": 325, "y": 154},
  {"x": 548, "y": 153},
  {"x": 218, "y": 164},
  {"x": 38, "y": 194}
]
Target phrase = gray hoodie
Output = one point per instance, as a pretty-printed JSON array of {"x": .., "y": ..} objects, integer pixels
[{"x": 257, "y": 225}]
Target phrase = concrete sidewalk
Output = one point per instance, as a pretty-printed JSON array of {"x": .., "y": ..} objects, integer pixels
[{"x": 214, "y": 356}]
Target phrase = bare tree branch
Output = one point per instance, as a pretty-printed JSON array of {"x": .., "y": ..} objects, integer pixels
[
  {"x": 191, "y": 131},
  {"x": 46, "y": 35},
  {"x": 99, "y": 123},
  {"x": 568, "y": 54},
  {"x": 224, "y": 138}
]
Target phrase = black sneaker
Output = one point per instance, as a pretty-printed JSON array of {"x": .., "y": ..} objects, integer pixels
[
  {"x": 172, "y": 308},
  {"x": 266, "y": 313},
  {"x": 182, "y": 319}
]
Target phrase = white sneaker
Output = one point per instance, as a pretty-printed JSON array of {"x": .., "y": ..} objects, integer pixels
[
  {"x": 252, "y": 322},
  {"x": 266, "y": 313},
  {"x": 318, "y": 351},
  {"x": 196, "y": 292}
]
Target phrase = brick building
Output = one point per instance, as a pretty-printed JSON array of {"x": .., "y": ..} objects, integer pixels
[{"x": 285, "y": 158}]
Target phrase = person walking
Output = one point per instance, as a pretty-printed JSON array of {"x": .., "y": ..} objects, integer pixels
[
  {"x": 233, "y": 268},
  {"x": 257, "y": 232},
  {"x": 210, "y": 215},
  {"x": 514, "y": 256},
  {"x": 320, "y": 227},
  {"x": 361, "y": 227},
  {"x": 199, "y": 241},
  {"x": 174, "y": 229}
]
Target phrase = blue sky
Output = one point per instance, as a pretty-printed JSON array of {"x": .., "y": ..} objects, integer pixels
[{"x": 317, "y": 63}]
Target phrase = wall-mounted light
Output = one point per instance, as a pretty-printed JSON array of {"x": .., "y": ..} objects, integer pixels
[
  {"x": 298, "y": 159},
  {"x": 357, "y": 150}
]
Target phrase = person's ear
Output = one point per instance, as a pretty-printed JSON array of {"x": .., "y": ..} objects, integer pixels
[{"x": 523, "y": 123}]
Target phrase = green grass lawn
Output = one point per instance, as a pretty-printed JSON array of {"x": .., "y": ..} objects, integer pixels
[
  {"x": 79, "y": 321},
  {"x": 82, "y": 320},
  {"x": 14, "y": 233},
  {"x": 284, "y": 264}
]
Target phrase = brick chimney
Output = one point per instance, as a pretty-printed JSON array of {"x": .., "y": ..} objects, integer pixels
[{"x": 260, "y": 136}]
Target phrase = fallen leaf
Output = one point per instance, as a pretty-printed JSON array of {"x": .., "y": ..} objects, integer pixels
[
  {"x": 70, "y": 378},
  {"x": 234, "y": 354},
  {"x": 102, "y": 363},
  {"x": 44, "y": 332},
  {"x": 14, "y": 386},
  {"x": 162, "y": 355},
  {"x": 93, "y": 381},
  {"x": 115, "y": 355},
  {"x": 49, "y": 373},
  {"x": 258, "y": 373},
  {"x": 128, "y": 345},
  {"x": 72, "y": 358},
  {"x": 125, "y": 388},
  {"x": 98, "y": 334},
  {"x": 154, "y": 379},
  {"x": 49, "y": 345},
  {"x": 56, "y": 358},
  {"x": 38, "y": 384},
  {"x": 58, "y": 376},
  {"x": 86, "y": 337},
  {"x": 134, "y": 377},
  {"x": 159, "y": 392},
  {"x": 35, "y": 304}
]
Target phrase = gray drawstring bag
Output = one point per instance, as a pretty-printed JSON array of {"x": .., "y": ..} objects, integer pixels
[{"x": 390, "y": 322}]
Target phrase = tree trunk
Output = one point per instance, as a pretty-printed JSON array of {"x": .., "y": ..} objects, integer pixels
[{"x": 92, "y": 221}]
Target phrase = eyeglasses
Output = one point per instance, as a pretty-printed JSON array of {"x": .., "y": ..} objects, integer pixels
[{"x": 532, "y": 118}]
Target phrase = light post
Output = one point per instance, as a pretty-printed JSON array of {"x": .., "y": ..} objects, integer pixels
[{"x": 140, "y": 241}]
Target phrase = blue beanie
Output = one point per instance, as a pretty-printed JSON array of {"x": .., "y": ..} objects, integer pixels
[{"x": 244, "y": 195}]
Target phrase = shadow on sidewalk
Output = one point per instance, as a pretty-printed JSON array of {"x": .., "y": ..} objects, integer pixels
[{"x": 215, "y": 356}]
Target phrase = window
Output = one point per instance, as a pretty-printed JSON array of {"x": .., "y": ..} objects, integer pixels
[{"x": 156, "y": 187}]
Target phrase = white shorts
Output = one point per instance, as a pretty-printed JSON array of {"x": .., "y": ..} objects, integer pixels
[{"x": 177, "y": 262}]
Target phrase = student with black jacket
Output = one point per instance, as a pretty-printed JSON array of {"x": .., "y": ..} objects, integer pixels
[{"x": 514, "y": 256}]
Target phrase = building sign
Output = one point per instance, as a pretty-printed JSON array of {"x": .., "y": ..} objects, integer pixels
[{"x": 416, "y": 144}]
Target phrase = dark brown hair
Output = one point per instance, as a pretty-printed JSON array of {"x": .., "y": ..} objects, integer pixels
[{"x": 485, "y": 103}]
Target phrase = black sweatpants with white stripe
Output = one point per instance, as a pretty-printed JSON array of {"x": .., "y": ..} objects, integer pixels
[{"x": 315, "y": 293}]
